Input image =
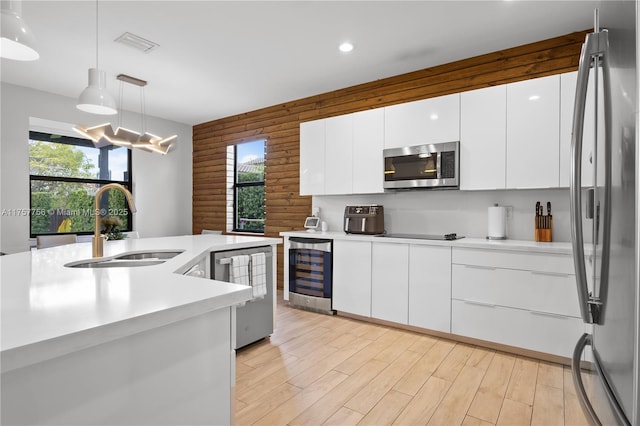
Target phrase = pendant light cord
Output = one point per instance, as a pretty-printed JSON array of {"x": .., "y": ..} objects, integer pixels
[
  {"x": 142, "y": 110},
  {"x": 120, "y": 110},
  {"x": 97, "y": 35}
]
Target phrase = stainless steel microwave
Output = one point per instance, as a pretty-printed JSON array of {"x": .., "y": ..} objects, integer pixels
[{"x": 434, "y": 165}]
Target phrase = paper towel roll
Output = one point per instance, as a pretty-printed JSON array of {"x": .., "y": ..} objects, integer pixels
[{"x": 497, "y": 223}]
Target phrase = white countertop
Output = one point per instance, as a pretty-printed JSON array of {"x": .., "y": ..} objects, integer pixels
[
  {"x": 478, "y": 243},
  {"x": 49, "y": 310}
]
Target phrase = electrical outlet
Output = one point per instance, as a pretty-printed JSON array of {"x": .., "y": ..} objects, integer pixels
[{"x": 509, "y": 212}]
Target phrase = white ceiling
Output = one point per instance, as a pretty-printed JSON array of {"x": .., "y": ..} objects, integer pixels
[{"x": 220, "y": 58}]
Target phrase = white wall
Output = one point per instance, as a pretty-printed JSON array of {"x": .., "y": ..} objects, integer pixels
[
  {"x": 162, "y": 184},
  {"x": 448, "y": 211}
]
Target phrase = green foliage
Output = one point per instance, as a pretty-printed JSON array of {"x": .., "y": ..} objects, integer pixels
[
  {"x": 251, "y": 206},
  {"x": 257, "y": 176},
  {"x": 54, "y": 201},
  {"x": 40, "y": 202},
  {"x": 56, "y": 159}
]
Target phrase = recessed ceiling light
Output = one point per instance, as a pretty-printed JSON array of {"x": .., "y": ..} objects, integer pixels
[{"x": 346, "y": 47}]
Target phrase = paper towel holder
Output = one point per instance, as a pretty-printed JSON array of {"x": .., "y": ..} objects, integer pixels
[{"x": 502, "y": 224}]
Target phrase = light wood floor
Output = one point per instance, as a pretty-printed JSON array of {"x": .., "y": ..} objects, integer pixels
[{"x": 317, "y": 369}]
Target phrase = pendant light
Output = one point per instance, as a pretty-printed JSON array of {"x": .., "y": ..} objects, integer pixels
[
  {"x": 95, "y": 98},
  {"x": 103, "y": 134},
  {"x": 17, "y": 42},
  {"x": 143, "y": 139}
]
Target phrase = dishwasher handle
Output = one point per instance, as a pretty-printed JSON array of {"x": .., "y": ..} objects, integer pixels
[{"x": 227, "y": 260}]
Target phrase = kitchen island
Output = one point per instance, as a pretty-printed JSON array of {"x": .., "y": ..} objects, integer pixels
[{"x": 119, "y": 345}]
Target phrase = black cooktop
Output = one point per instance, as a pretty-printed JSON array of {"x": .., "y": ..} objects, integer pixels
[{"x": 441, "y": 237}]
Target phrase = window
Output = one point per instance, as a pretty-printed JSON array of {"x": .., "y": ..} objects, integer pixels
[
  {"x": 248, "y": 187},
  {"x": 64, "y": 173}
]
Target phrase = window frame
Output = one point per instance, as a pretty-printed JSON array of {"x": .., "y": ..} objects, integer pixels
[
  {"x": 55, "y": 138},
  {"x": 239, "y": 185}
]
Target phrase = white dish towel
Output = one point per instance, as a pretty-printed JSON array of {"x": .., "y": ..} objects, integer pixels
[
  {"x": 239, "y": 270},
  {"x": 259, "y": 274}
]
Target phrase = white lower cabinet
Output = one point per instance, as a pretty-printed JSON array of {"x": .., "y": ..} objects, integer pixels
[
  {"x": 509, "y": 297},
  {"x": 390, "y": 282},
  {"x": 516, "y": 298},
  {"x": 352, "y": 277},
  {"x": 430, "y": 287},
  {"x": 537, "y": 331}
]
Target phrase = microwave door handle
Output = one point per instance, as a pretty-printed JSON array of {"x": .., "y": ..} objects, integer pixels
[{"x": 439, "y": 165}]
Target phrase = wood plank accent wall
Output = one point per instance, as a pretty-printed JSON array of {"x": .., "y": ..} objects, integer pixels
[{"x": 280, "y": 124}]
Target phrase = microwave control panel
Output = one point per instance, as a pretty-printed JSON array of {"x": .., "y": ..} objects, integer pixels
[{"x": 448, "y": 164}]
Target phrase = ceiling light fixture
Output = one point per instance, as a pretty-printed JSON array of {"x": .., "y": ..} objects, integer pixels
[
  {"x": 103, "y": 134},
  {"x": 17, "y": 42},
  {"x": 346, "y": 47},
  {"x": 95, "y": 98}
]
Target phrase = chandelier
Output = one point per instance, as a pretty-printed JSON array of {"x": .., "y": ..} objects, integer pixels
[{"x": 103, "y": 134}]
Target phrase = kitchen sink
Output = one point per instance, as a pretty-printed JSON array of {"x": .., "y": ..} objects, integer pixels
[
  {"x": 149, "y": 255},
  {"x": 127, "y": 260}
]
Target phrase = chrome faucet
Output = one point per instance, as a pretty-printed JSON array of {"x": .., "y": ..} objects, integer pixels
[{"x": 98, "y": 240}]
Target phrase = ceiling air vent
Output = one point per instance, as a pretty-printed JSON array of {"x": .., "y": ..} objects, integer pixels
[{"x": 137, "y": 42}]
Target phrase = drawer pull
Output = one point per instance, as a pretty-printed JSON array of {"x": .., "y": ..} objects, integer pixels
[
  {"x": 489, "y": 268},
  {"x": 475, "y": 302},
  {"x": 548, "y": 314},
  {"x": 551, "y": 274}
]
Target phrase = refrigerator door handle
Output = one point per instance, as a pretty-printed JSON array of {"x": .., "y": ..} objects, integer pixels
[
  {"x": 592, "y": 49},
  {"x": 585, "y": 340},
  {"x": 575, "y": 182}
]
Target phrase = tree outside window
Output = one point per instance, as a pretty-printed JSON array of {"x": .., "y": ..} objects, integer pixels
[
  {"x": 249, "y": 172},
  {"x": 65, "y": 173}
]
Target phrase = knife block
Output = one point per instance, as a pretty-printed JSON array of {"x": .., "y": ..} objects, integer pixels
[{"x": 544, "y": 235}]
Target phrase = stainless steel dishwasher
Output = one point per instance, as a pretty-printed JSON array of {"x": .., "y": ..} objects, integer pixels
[{"x": 254, "y": 320}]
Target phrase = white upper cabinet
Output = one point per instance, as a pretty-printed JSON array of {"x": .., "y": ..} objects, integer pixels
[
  {"x": 483, "y": 138},
  {"x": 427, "y": 121},
  {"x": 567, "y": 99},
  {"x": 533, "y": 128},
  {"x": 368, "y": 143},
  {"x": 342, "y": 154},
  {"x": 512, "y": 136},
  {"x": 312, "y": 148},
  {"x": 338, "y": 155}
]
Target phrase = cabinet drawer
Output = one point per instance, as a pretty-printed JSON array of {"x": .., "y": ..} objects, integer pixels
[
  {"x": 551, "y": 334},
  {"x": 533, "y": 290},
  {"x": 543, "y": 262}
]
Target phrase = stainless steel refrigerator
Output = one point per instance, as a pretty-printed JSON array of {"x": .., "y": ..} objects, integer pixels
[{"x": 605, "y": 217}]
